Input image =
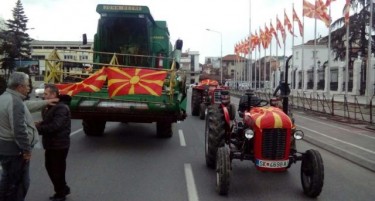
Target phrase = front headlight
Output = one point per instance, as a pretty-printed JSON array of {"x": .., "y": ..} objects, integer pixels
[
  {"x": 298, "y": 134},
  {"x": 249, "y": 134}
]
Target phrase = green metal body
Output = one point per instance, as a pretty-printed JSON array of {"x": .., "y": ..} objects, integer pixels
[{"x": 138, "y": 41}]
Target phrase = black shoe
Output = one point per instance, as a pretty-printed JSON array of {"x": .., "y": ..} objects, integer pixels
[{"x": 57, "y": 198}]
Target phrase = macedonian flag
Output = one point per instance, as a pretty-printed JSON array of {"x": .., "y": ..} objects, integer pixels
[
  {"x": 126, "y": 81},
  {"x": 91, "y": 84}
]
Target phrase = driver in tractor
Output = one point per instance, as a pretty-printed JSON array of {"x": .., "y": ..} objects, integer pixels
[
  {"x": 283, "y": 88},
  {"x": 243, "y": 105}
]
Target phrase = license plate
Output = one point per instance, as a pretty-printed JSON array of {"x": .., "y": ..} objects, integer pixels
[{"x": 272, "y": 164}]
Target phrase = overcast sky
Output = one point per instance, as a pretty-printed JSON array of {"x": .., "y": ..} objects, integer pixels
[{"x": 186, "y": 19}]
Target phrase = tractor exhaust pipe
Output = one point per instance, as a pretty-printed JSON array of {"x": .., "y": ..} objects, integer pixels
[{"x": 285, "y": 98}]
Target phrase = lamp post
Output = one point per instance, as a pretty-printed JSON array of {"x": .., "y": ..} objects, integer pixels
[{"x": 221, "y": 53}]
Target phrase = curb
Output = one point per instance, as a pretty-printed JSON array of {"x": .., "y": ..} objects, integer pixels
[{"x": 359, "y": 160}]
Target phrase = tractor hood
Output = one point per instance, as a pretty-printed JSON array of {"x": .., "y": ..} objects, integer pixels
[{"x": 267, "y": 117}]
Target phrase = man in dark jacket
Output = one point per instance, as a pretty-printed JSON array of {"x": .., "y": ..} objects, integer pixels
[{"x": 55, "y": 129}]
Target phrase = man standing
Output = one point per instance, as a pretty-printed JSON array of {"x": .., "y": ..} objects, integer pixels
[
  {"x": 55, "y": 129},
  {"x": 18, "y": 135}
]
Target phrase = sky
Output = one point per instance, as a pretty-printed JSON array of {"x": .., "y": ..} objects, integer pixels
[{"x": 67, "y": 20}]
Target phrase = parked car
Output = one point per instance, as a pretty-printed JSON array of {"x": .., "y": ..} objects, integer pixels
[{"x": 39, "y": 91}]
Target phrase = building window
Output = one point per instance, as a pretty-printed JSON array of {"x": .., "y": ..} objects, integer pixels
[
  {"x": 36, "y": 47},
  {"x": 74, "y": 48},
  {"x": 83, "y": 57},
  {"x": 192, "y": 63},
  {"x": 297, "y": 54},
  {"x": 69, "y": 57},
  {"x": 61, "y": 48},
  {"x": 315, "y": 54},
  {"x": 48, "y": 47}
]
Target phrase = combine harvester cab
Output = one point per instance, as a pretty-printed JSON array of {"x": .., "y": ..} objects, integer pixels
[{"x": 135, "y": 73}]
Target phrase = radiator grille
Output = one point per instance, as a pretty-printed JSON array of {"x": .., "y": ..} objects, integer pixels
[
  {"x": 217, "y": 95},
  {"x": 274, "y": 143}
]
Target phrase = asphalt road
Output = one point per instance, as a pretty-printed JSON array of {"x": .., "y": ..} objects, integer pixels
[{"x": 129, "y": 163}]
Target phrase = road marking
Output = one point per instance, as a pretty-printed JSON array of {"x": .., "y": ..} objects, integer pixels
[
  {"x": 182, "y": 138},
  {"x": 337, "y": 127},
  {"x": 75, "y": 132},
  {"x": 338, "y": 140},
  {"x": 190, "y": 183}
]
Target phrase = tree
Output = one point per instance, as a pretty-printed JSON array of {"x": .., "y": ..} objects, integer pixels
[
  {"x": 358, "y": 36},
  {"x": 15, "y": 42}
]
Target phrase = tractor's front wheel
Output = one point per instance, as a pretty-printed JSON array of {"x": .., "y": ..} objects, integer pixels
[
  {"x": 223, "y": 170},
  {"x": 214, "y": 133},
  {"x": 164, "y": 129},
  {"x": 195, "y": 102},
  {"x": 93, "y": 127},
  {"x": 312, "y": 173}
]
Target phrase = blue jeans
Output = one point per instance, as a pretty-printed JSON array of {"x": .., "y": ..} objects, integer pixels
[{"x": 15, "y": 178}]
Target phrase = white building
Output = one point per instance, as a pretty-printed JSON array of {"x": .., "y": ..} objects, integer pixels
[{"x": 190, "y": 63}]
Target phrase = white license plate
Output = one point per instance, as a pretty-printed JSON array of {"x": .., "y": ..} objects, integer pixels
[{"x": 271, "y": 164}]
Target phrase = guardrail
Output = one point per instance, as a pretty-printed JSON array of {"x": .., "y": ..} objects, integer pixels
[{"x": 346, "y": 107}]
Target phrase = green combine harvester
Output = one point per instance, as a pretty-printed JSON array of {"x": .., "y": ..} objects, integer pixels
[{"x": 128, "y": 37}]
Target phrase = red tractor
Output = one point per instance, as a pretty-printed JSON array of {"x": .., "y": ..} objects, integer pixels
[
  {"x": 206, "y": 93},
  {"x": 265, "y": 135}
]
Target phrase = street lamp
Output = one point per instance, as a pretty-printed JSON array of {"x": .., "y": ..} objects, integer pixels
[{"x": 221, "y": 53}]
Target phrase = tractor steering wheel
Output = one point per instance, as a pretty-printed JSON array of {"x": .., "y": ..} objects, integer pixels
[{"x": 261, "y": 103}]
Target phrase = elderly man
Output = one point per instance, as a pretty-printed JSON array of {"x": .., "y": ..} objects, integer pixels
[{"x": 18, "y": 135}]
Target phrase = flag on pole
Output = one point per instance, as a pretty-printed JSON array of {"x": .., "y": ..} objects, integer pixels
[
  {"x": 295, "y": 18},
  {"x": 124, "y": 81},
  {"x": 328, "y": 2},
  {"x": 273, "y": 31},
  {"x": 280, "y": 27},
  {"x": 347, "y": 12},
  {"x": 288, "y": 24},
  {"x": 318, "y": 11},
  {"x": 268, "y": 35}
]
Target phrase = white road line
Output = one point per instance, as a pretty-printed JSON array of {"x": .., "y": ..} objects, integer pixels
[
  {"x": 337, "y": 127},
  {"x": 75, "y": 132},
  {"x": 338, "y": 140},
  {"x": 190, "y": 183},
  {"x": 182, "y": 138}
]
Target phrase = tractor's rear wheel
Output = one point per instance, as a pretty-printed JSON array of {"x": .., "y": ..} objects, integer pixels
[
  {"x": 195, "y": 102},
  {"x": 202, "y": 111},
  {"x": 164, "y": 129},
  {"x": 312, "y": 173},
  {"x": 223, "y": 170},
  {"x": 214, "y": 133},
  {"x": 93, "y": 127}
]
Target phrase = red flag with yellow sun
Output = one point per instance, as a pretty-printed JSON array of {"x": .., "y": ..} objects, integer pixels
[
  {"x": 126, "y": 81},
  {"x": 91, "y": 84}
]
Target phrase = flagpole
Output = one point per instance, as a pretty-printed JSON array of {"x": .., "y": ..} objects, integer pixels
[
  {"x": 314, "y": 54},
  {"x": 292, "y": 77},
  {"x": 250, "y": 48},
  {"x": 259, "y": 71},
  {"x": 369, "y": 56},
  {"x": 303, "y": 54},
  {"x": 347, "y": 60},
  {"x": 328, "y": 80},
  {"x": 255, "y": 69}
]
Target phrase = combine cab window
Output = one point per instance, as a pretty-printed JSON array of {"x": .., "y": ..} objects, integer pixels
[{"x": 125, "y": 35}]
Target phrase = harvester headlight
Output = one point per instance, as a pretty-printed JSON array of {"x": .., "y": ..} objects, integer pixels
[
  {"x": 298, "y": 134},
  {"x": 249, "y": 134}
]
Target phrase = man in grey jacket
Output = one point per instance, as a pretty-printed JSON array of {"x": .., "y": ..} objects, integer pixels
[{"x": 18, "y": 135}]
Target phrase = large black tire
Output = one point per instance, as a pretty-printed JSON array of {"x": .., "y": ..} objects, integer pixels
[
  {"x": 195, "y": 102},
  {"x": 232, "y": 111},
  {"x": 312, "y": 173},
  {"x": 223, "y": 168},
  {"x": 202, "y": 111},
  {"x": 164, "y": 129},
  {"x": 93, "y": 127},
  {"x": 214, "y": 133}
]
